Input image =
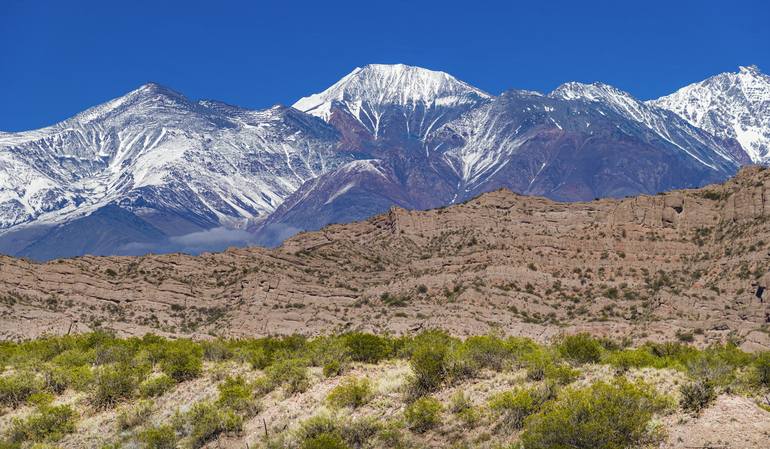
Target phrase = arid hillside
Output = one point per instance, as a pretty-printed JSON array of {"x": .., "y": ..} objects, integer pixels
[{"x": 684, "y": 265}]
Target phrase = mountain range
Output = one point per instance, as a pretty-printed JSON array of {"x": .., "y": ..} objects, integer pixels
[{"x": 154, "y": 171}]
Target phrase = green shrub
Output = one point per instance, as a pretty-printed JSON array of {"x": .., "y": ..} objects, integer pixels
[
  {"x": 258, "y": 358},
  {"x": 216, "y": 350},
  {"x": 600, "y": 416},
  {"x": 423, "y": 414},
  {"x": 560, "y": 373},
  {"x": 317, "y": 425},
  {"x": 113, "y": 383},
  {"x": 48, "y": 423},
  {"x": 156, "y": 386},
  {"x": 351, "y": 393},
  {"x": 512, "y": 407},
  {"x": 59, "y": 378},
  {"x": 633, "y": 358},
  {"x": 158, "y": 437},
  {"x": 762, "y": 368},
  {"x": 359, "y": 432},
  {"x": 182, "y": 360},
  {"x": 325, "y": 441},
  {"x": 16, "y": 388},
  {"x": 696, "y": 396},
  {"x": 331, "y": 353},
  {"x": 207, "y": 420},
  {"x": 237, "y": 395},
  {"x": 367, "y": 348},
  {"x": 333, "y": 368},
  {"x": 580, "y": 348},
  {"x": 292, "y": 374},
  {"x": 132, "y": 415},
  {"x": 486, "y": 352},
  {"x": 430, "y": 362}
]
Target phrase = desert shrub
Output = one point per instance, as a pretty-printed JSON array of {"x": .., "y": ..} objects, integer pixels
[
  {"x": 113, "y": 383},
  {"x": 182, "y": 360},
  {"x": 237, "y": 395},
  {"x": 460, "y": 404},
  {"x": 333, "y": 368},
  {"x": 216, "y": 350},
  {"x": 292, "y": 374},
  {"x": 158, "y": 437},
  {"x": 132, "y": 415},
  {"x": 762, "y": 368},
  {"x": 325, "y": 441},
  {"x": 560, "y": 373},
  {"x": 423, "y": 414},
  {"x": 331, "y": 353},
  {"x": 430, "y": 362},
  {"x": 633, "y": 358},
  {"x": 486, "y": 352},
  {"x": 512, "y": 407},
  {"x": 600, "y": 416},
  {"x": 580, "y": 348},
  {"x": 156, "y": 385},
  {"x": 316, "y": 425},
  {"x": 16, "y": 388},
  {"x": 207, "y": 420},
  {"x": 48, "y": 423},
  {"x": 717, "y": 364},
  {"x": 359, "y": 432},
  {"x": 351, "y": 393},
  {"x": 696, "y": 396},
  {"x": 59, "y": 378},
  {"x": 258, "y": 358},
  {"x": 367, "y": 348}
]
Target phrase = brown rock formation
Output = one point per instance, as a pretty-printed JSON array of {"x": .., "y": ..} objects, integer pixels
[{"x": 648, "y": 267}]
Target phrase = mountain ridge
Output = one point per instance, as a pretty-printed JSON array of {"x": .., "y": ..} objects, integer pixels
[{"x": 187, "y": 166}]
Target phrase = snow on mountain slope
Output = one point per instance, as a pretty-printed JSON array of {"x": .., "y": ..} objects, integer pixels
[
  {"x": 699, "y": 145},
  {"x": 381, "y": 97},
  {"x": 153, "y": 165},
  {"x": 728, "y": 105},
  {"x": 524, "y": 141},
  {"x": 153, "y": 149}
]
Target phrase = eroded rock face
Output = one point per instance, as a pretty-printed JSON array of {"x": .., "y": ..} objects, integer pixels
[{"x": 645, "y": 267}]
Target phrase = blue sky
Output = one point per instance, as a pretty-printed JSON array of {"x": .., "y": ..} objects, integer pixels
[{"x": 60, "y": 57}]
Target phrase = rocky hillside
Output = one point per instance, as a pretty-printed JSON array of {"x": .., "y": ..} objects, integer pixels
[{"x": 684, "y": 263}]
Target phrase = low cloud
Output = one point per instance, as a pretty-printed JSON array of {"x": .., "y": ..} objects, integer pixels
[{"x": 209, "y": 240}]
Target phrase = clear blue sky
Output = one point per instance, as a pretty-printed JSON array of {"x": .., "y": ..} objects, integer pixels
[{"x": 60, "y": 57}]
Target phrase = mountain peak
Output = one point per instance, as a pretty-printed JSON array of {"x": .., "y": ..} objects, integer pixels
[
  {"x": 729, "y": 105},
  {"x": 595, "y": 91},
  {"x": 396, "y": 84},
  {"x": 750, "y": 70}
]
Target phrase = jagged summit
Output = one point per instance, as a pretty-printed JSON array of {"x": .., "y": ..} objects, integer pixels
[
  {"x": 730, "y": 105},
  {"x": 588, "y": 91},
  {"x": 396, "y": 84},
  {"x": 186, "y": 165}
]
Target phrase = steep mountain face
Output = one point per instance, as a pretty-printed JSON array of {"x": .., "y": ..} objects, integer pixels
[
  {"x": 580, "y": 142},
  {"x": 728, "y": 105},
  {"x": 392, "y": 102},
  {"x": 577, "y": 143},
  {"x": 384, "y": 135},
  {"x": 179, "y": 165}
]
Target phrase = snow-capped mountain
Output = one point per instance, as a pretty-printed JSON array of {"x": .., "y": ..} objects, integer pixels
[
  {"x": 729, "y": 105},
  {"x": 579, "y": 142},
  {"x": 180, "y": 165},
  {"x": 156, "y": 171},
  {"x": 393, "y": 101}
]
